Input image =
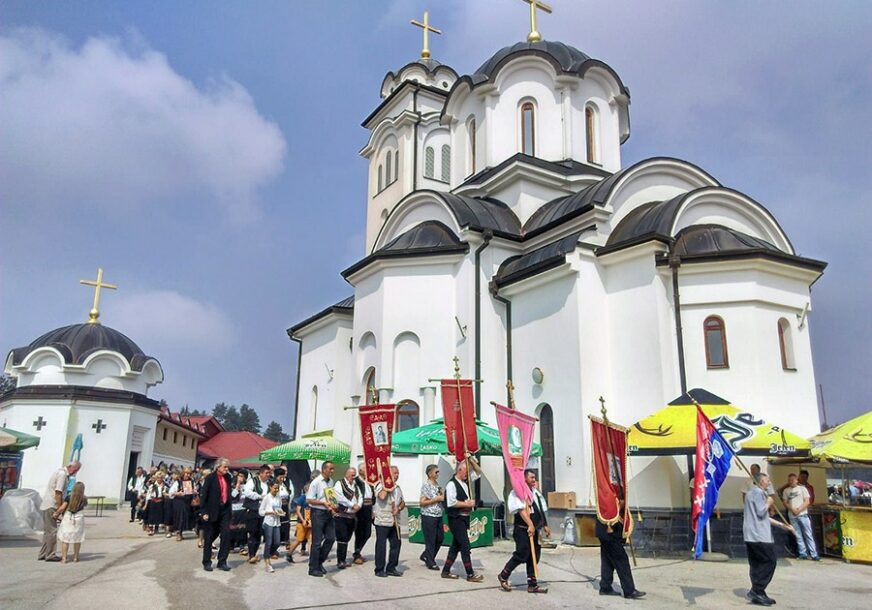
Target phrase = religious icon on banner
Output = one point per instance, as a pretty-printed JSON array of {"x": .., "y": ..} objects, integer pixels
[
  {"x": 376, "y": 425},
  {"x": 516, "y": 449},
  {"x": 379, "y": 435},
  {"x": 609, "y": 448},
  {"x": 516, "y": 437}
]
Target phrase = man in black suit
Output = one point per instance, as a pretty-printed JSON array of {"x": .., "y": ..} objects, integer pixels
[{"x": 215, "y": 513}]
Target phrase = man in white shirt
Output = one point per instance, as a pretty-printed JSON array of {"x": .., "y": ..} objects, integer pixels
[
  {"x": 51, "y": 501},
  {"x": 255, "y": 489},
  {"x": 348, "y": 502},
  {"x": 459, "y": 505},
  {"x": 386, "y": 516},
  {"x": 530, "y": 517},
  {"x": 136, "y": 488},
  {"x": 321, "y": 501},
  {"x": 797, "y": 500}
]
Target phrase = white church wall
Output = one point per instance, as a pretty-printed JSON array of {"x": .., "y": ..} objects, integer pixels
[
  {"x": 607, "y": 139},
  {"x": 39, "y": 462},
  {"x": 104, "y": 455}
]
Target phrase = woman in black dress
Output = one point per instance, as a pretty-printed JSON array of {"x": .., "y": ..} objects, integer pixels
[
  {"x": 168, "y": 502},
  {"x": 154, "y": 504},
  {"x": 182, "y": 492}
]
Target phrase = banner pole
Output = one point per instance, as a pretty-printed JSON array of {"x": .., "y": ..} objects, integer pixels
[{"x": 463, "y": 430}]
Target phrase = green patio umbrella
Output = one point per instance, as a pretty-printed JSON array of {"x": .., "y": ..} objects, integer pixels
[
  {"x": 12, "y": 440},
  {"x": 315, "y": 446},
  {"x": 429, "y": 439}
]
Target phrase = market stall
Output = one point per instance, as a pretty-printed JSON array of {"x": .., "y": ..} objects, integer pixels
[{"x": 12, "y": 445}]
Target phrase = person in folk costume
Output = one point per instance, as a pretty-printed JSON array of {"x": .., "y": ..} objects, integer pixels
[
  {"x": 348, "y": 502},
  {"x": 215, "y": 514},
  {"x": 530, "y": 517},
  {"x": 363, "y": 525},
  {"x": 255, "y": 489},
  {"x": 432, "y": 499},
  {"x": 167, "y": 521},
  {"x": 286, "y": 493},
  {"x": 459, "y": 505},
  {"x": 154, "y": 504},
  {"x": 320, "y": 498},
  {"x": 386, "y": 514},
  {"x": 182, "y": 494},
  {"x": 613, "y": 558},
  {"x": 135, "y": 490}
]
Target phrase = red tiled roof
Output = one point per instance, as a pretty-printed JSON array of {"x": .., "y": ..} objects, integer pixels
[
  {"x": 210, "y": 425},
  {"x": 184, "y": 422},
  {"x": 235, "y": 446}
]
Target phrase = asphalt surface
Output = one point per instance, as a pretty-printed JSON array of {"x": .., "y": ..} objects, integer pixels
[{"x": 121, "y": 567}]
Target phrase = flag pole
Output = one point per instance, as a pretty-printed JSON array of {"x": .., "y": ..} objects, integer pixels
[{"x": 620, "y": 474}]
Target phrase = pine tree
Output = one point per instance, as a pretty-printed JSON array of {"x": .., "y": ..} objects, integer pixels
[
  {"x": 232, "y": 422},
  {"x": 249, "y": 419},
  {"x": 275, "y": 433}
]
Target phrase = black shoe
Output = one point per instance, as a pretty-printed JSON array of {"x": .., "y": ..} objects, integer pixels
[
  {"x": 393, "y": 573},
  {"x": 422, "y": 558},
  {"x": 758, "y": 600},
  {"x": 223, "y": 567},
  {"x": 290, "y": 559},
  {"x": 316, "y": 573},
  {"x": 207, "y": 567},
  {"x": 770, "y": 600},
  {"x": 609, "y": 592},
  {"x": 433, "y": 567},
  {"x": 635, "y": 594},
  {"x": 342, "y": 565},
  {"x": 323, "y": 571},
  {"x": 381, "y": 574}
]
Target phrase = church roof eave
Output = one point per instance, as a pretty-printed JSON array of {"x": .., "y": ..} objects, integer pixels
[
  {"x": 345, "y": 307},
  {"x": 400, "y": 254},
  {"x": 368, "y": 121}
]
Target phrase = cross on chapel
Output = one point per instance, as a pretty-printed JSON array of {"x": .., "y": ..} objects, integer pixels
[
  {"x": 40, "y": 423},
  {"x": 534, "y": 35},
  {"x": 99, "y": 426},
  {"x": 94, "y": 314},
  {"x": 425, "y": 52}
]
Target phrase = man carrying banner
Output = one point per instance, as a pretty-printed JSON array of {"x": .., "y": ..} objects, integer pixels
[
  {"x": 459, "y": 505},
  {"x": 614, "y": 522},
  {"x": 757, "y": 532},
  {"x": 363, "y": 527},
  {"x": 320, "y": 499},
  {"x": 530, "y": 517},
  {"x": 389, "y": 503}
]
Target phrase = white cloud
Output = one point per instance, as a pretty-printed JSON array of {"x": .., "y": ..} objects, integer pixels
[
  {"x": 163, "y": 321},
  {"x": 110, "y": 126}
]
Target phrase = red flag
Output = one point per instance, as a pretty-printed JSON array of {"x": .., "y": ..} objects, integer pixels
[
  {"x": 516, "y": 435},
  {"x": 609, "y": 444},
  {"x": 458, "y": 412},
  {"x": 376, "y": 430}
]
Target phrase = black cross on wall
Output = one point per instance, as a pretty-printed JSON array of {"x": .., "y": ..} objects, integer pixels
[
  {"x": 40, "y": 423},
  {"x": 99, "y": 426}
]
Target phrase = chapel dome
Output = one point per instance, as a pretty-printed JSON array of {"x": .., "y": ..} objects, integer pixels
[
  {"x": 568, "y": 58},
  {"x": 424, "y": 71},
  {"x": 78, "y": 341}
]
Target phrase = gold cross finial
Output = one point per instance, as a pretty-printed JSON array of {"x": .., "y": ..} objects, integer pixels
[
  {"x": 456, "y": 367},
  {"x": 94, "y": 314},
  {"x": 603, "y": 408},
  {"x": 534, "y": 35},
  {"x": 425, "y": 52}
]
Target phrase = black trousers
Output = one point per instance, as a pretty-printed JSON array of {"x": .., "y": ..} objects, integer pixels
[
  {"x": 362, "y": 529},
  {"x": 133, "y": 504},
  {"x": 433, "y": 536},
  {"x": 459, "y": 527},
  {"x": 344, "y": 529},
  {"x": 613, "y": 558},
  {"x": 761, "y": 561},
  {"x": 384, "y": 535},
  {"x": 254, "y": 528},
  {"x": 522, "y": 554},
  {"x": 323, "y": 537},
  {"x": 212, "y": 529}
]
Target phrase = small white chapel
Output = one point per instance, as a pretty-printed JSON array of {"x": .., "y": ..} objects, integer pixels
[{"x": 503, "y": 228}]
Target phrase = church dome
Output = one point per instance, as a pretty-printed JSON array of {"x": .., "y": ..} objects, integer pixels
[
  {"x": 78, "y": 341},
  {"x": 564, "y": 56}
]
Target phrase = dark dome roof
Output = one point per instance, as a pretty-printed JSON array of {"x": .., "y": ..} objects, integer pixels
[
  {"x": 483, "y": 213},
  {"x": 713, "y": 239},
  {"x": 568, "y": 58},
  {"x": 78, "y": 341},
  {"x": 429, "y": 235}
]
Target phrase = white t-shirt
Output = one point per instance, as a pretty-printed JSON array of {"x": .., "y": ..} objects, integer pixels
[
  {"x": 795, "y": 496},
  {"x": 270, "y": 503},
  {"x": 451, "y": 489}
]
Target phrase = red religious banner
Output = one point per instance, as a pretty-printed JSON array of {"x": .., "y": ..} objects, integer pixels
[
  {"x": 458, "y": 412},
  {"x": 376, "y": 427},
  {"x": 610, "y": 473},
  {"x": 516, "y": 436}
]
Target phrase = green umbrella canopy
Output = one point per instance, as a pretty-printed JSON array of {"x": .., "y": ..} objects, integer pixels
[
  {"x": 429, "y": 439},
  {"x": 12, "y": 440},
  {"x": 316, "y": 446}
]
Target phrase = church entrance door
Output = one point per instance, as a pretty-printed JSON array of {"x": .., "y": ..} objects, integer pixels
[
  {"x": 131, "y": 466},
  {"x": 546, "y": 439}
]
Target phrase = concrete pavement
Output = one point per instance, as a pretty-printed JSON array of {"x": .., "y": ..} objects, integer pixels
[{"x": 121, "y": 567}]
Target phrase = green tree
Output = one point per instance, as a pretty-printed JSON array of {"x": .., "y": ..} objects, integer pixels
[
  {"x": 232, "y": 421},
  {"x": 220, "y": 412},
  {"x": 249, "y": 419},
  {"x": 275, "y": 433}
]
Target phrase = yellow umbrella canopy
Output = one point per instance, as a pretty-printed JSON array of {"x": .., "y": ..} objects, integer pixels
[
  {"x": 848, "y": 442},
  {"x": 672, "y": 429}
]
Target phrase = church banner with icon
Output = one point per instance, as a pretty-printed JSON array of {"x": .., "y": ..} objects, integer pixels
[
  {"x": 458, "y": 412},
  {"x": 610, "y": 473},
  {"x": 376, "y": 427},
  {"x": 516, "y": 435}
]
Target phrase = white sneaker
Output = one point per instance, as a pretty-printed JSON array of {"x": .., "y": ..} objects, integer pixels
[{"x": 269, "y": 569}]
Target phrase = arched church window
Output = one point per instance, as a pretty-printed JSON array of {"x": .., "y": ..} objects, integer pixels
[
  {"x": 446, "y": 163},
  {"x": 314, "y": 407},
  {"x": 381, "y": 184},
  {"x": 396, "y": 165},
  {"x": 785, "y": 344},
  {"x": 470, "y": 129},
  {"x": 590, "y": 125},
  {"x": 388, "y": 173},
  {"x": 408, "y": 416},
  {"x": 370, "y": 389},
  {"x": 429, "y": 162},
  {"x": 528, "y": 129},
  {"x": 715, "y": 343}
]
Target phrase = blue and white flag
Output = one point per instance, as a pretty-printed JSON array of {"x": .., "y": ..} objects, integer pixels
[{"x": 713, "y": 458}]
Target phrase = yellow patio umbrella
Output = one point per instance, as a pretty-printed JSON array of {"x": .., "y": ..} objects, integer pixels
[
  {"x": 845, "y": 443},
  {"x": 672, "y": 429}
]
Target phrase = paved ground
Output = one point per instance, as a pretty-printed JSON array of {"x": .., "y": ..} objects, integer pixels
[{"x": 122, "y": 568}]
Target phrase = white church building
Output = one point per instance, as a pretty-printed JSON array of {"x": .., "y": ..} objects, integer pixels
[
  {"x": 89, "y": 380},
  {"x": 502, "y": 227}
]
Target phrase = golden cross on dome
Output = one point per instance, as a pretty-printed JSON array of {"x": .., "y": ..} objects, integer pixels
[
  {"x": 425, "y": 52},
  {"x": 94, "y": 314},
  {"x": 534, "y": 35}
]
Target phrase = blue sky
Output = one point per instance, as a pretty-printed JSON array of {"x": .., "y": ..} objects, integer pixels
[{"x": 205, "y": 154}]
